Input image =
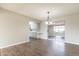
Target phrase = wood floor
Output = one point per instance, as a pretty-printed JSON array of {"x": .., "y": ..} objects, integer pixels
[{"x": 42, "y": 48}]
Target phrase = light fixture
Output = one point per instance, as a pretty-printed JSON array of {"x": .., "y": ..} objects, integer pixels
[{"x": 48, "y": 22}]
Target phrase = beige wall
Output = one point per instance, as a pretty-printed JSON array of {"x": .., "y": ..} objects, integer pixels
[{"x": 13, "y": 28}]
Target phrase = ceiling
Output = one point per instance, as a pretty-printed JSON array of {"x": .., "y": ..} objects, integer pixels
[{"x": 39, "y": 10}]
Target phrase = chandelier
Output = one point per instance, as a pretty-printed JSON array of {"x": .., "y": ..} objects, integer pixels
[{"x": 48, "y": 21}]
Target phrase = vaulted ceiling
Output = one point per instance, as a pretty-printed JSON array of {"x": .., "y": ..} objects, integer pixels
[{"x": 39, "y": 10}]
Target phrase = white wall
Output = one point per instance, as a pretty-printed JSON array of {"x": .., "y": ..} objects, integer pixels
[
  {"x": 43, "y": 30},
  {"x": 14, "y": 28},
  {"x": 72, "y": 29}
]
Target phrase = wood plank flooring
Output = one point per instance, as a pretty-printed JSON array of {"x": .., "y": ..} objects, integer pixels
[{"x": 42, "y": 48}]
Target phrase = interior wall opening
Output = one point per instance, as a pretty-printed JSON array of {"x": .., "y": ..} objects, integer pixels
[{"x": 56, "y": 31}]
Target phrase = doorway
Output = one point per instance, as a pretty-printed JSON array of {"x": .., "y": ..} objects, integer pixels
[
  {"x": 56, "y": 31},
  {"x": 59, "y": 32},
  {"x": 34, "y": 29}
]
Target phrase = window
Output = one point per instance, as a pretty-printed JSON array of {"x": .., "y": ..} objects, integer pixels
[{"x": 59, "y": 28}]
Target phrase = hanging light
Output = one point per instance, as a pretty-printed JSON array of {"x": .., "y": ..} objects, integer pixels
[{"x": 47, "y": 22}]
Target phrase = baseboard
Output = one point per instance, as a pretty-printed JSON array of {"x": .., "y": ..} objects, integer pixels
[
  {"x": 14, "y": 44},
  {"x": 72, "y": 43}
]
